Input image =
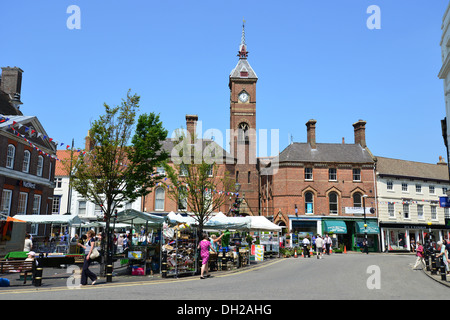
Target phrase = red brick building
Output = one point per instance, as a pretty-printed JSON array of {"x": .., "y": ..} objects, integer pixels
[
  {"x": 27, "y": 156},
  {"x": 319, "y": 187}
]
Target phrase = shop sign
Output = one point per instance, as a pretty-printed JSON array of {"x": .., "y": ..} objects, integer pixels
[
  {"x": 444, "y": 202},
  {"x": 356, "y": 210},
  {"x": 27, "y": 184},
  {"x": 258, "y": 252}
]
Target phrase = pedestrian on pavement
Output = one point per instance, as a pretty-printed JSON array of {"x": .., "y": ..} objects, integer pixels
[
  {"x": 443, "y": 254},
  {"x": 313, "y": 239},
  {"x": 365, "y": 246},
  {"x": 28, "y": 245},
  {"x": 88, "y": 247},
  {"x": 204, "y": 247},
  {"x": 420, "y": 257},
  {"x": 328, "y": 243},
  {"x": 319, "y": 247},
  {"x": 305, "y": 244}
]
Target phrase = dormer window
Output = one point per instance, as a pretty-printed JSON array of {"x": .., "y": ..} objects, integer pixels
[{"x": 243, "y": 72}]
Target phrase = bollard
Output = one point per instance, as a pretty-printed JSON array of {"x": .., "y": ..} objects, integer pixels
[
  {"x": 109, "y": 270},
  {"x": 164, "y": 265},
  {"x": 427, "y": 261},
  {"x": 443, "y": 269},
  {"x": 433, "y": 264},
  {"x": 38, "y": 277}
]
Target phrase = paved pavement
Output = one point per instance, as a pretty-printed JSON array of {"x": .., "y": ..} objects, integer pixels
[{"x": 64, "y": 277}]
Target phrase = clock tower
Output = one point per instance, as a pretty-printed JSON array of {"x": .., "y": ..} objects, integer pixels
[{"x": 242, "y": 84}]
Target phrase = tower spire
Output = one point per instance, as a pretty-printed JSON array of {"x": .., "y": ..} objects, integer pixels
[{"x": 243, "y": 53}]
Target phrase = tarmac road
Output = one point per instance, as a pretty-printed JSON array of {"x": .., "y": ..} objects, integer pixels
[{"x": 352, "y": 276}]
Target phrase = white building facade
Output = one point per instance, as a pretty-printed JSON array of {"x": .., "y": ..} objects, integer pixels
[
  {"x": 408, "y": 202},
  {"x": 444, "y": 73},
  {"x": 72, "y": 202}
]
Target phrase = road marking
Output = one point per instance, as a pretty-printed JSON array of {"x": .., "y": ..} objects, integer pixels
[{"x": 130, "y": 284}]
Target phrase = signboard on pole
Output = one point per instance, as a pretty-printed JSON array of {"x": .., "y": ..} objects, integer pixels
[{"x": 444, "y": 202}]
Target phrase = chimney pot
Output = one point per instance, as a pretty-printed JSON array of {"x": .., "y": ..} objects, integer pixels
[
  {"x": 311, "y": 133},
  {"x": 191, "y": 125},
  {"x": 11, "y": 82},
  {"x": 360, "y": 133}
]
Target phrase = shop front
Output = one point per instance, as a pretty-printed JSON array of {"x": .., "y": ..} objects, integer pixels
[
  {"x": 338, "y": 232},
  {"x": 350, "y": 233},
  {"x": 371, "y": 229},
  {"x": 302, "y": 227},
  {"x": 397, "y": 237}
]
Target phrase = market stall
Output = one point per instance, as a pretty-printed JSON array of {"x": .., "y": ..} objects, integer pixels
[
  {"x": 51, "y": 245},
  {"x": 268, "y": 233},
  {"x": 179, "y": 249},
  {"x": 142, "y": 254}
]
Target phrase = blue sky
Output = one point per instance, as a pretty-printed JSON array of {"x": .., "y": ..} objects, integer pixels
[{"x": 314, "y": 59}]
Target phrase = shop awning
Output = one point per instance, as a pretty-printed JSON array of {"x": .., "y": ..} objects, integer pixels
[
  {"x": 335, "y": 226},
  {"x": 372, "y": 227}
]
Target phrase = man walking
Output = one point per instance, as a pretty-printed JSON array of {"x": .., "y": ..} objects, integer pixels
[
  {"x": 319, "y": 246},
  {"x": 305, "y": 244},
  {"x": 328, "y": 242}
]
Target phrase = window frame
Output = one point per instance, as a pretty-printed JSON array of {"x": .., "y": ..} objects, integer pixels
[
  {"x": 158, "y": 190},
  {"x": 26, "y": 161},
  {"x": 10, "y": 158}
]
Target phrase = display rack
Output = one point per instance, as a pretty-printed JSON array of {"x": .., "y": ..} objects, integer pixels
[{"x": 179, "y": 252}]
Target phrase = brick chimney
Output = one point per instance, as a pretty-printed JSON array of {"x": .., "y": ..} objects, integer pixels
[
  {"x": 360, "y": 132},
  {"x": 11, "y": 81},
  {"x": 89, "y": 142},
  {"x": 311, "y": 133},
  {"x": 191, "y": 125}
]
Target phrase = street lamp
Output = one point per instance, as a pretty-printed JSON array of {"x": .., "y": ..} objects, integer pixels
[
  {"x": 237, "y": 187},
  {"x": 365, "y": 222}
]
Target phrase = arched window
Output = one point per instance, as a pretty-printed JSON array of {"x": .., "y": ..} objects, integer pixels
[
  {"x": 10, "y": 156},
  {"x": 333, "y": 202},
  {"x": 26, "y": 161},
  {"x": 40, "y": 166},
  {"x": 309, "y": 202},
  {"x": 357, "y": 200},
  {"x": 182, "y": 199},
  {"x": 159, "y": 199},
  {"x": 243, "y": 132}
]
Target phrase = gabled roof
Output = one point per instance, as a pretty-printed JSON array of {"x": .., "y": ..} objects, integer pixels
[
  {"x": 325, "y": 152},
  {"x": 412, "y": 169},
  {"x": 28, "y": 127},
  {"x": 169, "y": 144},
  {"x": 243, "y": 65}
]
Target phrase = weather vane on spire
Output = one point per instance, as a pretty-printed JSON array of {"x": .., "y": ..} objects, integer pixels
[{"x": 243, "y": 53}]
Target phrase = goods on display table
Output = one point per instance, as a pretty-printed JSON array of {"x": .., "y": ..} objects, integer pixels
[{"x": 179, "y": 250}]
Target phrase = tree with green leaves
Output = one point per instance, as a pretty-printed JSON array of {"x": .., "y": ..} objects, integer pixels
[{"x": 114, "y": 172}]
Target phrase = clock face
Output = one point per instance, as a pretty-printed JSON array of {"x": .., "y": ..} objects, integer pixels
[{"x": 243, "y": 96}]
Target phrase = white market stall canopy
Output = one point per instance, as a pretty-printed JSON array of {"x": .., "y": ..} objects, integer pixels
[
  {"x": 217, "y": 222},
  {"x": 262, "y": 224},
  {"x": 49, "y": 219},
  {"x": 139, "y": 217},
  {"x": 221, "y": 222}
]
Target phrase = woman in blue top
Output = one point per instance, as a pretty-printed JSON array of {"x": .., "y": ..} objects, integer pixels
[
  {"x": 443, "y": 254},
  {"x": 214, "y": 241}
]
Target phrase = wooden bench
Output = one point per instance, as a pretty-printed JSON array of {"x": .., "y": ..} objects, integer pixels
[{"x": 17, "y": 266}]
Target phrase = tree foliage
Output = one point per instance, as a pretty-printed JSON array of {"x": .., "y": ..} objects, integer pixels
[{"x": 113, "y": 172}]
